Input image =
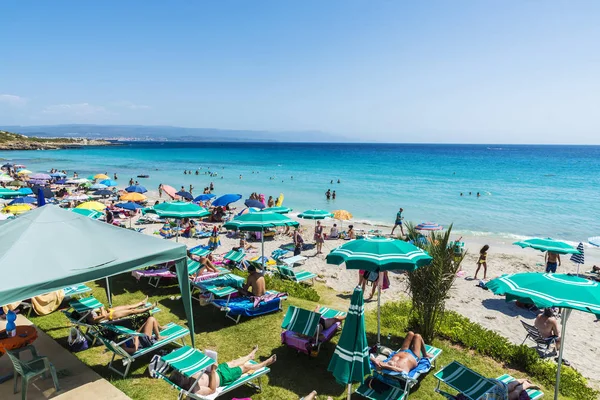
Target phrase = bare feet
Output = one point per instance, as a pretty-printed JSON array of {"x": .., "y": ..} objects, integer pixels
[
  {"x": 253, "y": 352},
  {"x": 271, "y": 359}
]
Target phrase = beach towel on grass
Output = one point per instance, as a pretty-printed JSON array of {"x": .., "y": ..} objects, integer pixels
[{"x": 245, "y": 306}]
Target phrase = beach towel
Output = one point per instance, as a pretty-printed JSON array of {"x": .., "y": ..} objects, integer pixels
[
  {"x": 47, "y": 303},
  {"x": 266, "y": 297},
  {"x": 423, "y": 366},
  {"x": 245, "y": 306}
]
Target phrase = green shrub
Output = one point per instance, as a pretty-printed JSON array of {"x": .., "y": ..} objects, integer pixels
[
  {"x": 297, "y": 290},
  {"x": 462, "y": 331}
]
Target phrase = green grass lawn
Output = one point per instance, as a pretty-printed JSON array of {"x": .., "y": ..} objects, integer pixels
[{"x": 291, "y": 377}]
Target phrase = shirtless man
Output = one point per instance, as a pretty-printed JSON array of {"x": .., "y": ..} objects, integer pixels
[
  {"x": 552, "y": 261},
  {"x": 548, "y": 326},
  {"x": 256, "y": 281},
  {"x": 227, "y": 373},
  {"x": 405, "y": 360}
]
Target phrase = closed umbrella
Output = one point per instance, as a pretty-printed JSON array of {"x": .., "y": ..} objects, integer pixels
[
  {"x": 204, "y": 197},
  {"x": 258, "y": 222},
  {"x": 550, "y": 290},
  {"x": 379, "y": 254},
  {"x": 278, "y": 210},
  {"x": 548, "y": 244},
  {"x": 350, "y": 361},
  {"x": 109, "y": 182},
  {"x": 578, "y": 258},
  {"x": 133, "y": 197},
  {"x": 136, "y": 189},
  {"x": 185, "y": 195},
  {"x": 92, "y": 205},
  {"x": 41, "y": 199},
  {"x": 254, "y": 203},
  {"x": 226, "y": 199},
  {"x": 429, "y": 226}
]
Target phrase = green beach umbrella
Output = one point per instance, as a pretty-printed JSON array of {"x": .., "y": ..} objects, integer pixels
[
  {"x": 179, "y": 210},
  {"x": 93, "y": 214},
  {"x": 550, "y": 290},
  {"x": 379, "y": 254},
  {"x": 258, "y": 222},
  {"x": 554, "y": 246},
  {"x": 315, "y": 214},
  {"x": 278, "y": 210},
  {"x": 7, "y": 193},
  {"x": 350, "y": 361}
]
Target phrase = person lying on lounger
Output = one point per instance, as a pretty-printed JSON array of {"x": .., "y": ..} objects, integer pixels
[
  {"x": 227, "y": 373},
  {"x": 244, "y": 245},
  {"x": 119, "y": 312},
  {"x": 151, "y": 330},
  {"x": 256, "y": 281},
  {"x": 405, "y": 360},
  {"x": 326, "y": 323}
]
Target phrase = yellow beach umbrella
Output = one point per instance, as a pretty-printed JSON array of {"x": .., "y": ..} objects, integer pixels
[
  {"x": 342, "y": 215},
  {"x": 24, "y": 172},
  {"x": 101, "y": 176},
  {"x": 17, "y": 208},
  {"x": 92, "y": 205},
  {"x": 133, "y": 196}
]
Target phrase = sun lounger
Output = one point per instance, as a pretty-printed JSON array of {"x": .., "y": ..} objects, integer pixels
[
  {"x": 171, "y": 333},
  {"x": 200, "y": 251},
  {"x": 542, "y": 344},
  {"x": 76, "y": 291},
  {"x": 237, "y": 307},
  {"x": 224, "y": 285},
  {"x": 399, "y": 383},
  {"x": 290, "y": 262},
  {"x": 296, "y": 276},
  {"x": 466, "y": 381},
  {"x": 155, "y": 275},
  {"x": 534, "y": 394},
  {"x": 301, "y": 333},
  {"x": 188, "y": 361},
  {"x": 279, "y": 253}
]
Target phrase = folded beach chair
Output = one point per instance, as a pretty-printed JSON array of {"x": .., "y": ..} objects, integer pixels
[
  {"x": 542, "y": 344},
  {"x": 188, "y": 361},
  {"x": 296, "y": 276},
  {"x": 301, "y": 333},
  {"x": 171, "y": 333},
  {"x": 466, "y": 381},
  {"x": 237, "y": 307},
  {"x": 399, "y": 383}
]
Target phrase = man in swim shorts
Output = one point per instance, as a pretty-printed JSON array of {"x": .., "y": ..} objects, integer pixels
[
  {"x": 227, "y": 373},
  {"x": 552, "y": 261},
  {"x": 405, "y": 360},
  {"x": 398, "y": 222}
]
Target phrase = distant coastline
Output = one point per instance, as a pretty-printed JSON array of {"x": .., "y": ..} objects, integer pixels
[{"x": 14, "y": 141}]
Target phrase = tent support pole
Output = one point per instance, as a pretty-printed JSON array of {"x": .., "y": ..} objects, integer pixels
[
  {"x": 108, "y": 296},
  {"x": 565, "y": 317}
]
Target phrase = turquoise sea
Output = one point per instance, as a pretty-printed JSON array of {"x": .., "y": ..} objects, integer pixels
[{"x": 525, "y": 190}]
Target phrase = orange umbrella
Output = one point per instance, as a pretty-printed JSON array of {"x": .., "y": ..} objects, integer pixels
[{"x": 133, "y": 197}]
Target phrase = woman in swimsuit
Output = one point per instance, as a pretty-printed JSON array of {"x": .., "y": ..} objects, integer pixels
[
  {"x": 151, "y": 330},
  {"x": 319, "y": 237},
  {"x": 120, "y": 312},
  {"x": 482, "y": 261}
]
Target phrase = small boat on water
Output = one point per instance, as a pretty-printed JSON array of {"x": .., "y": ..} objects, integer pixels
[{"x": 143, "y": 176}]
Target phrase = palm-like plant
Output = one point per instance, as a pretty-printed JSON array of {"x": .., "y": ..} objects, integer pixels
[{"x": 429, "y": 286}]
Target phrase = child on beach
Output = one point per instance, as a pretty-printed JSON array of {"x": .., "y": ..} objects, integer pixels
[{"x": 482, "y": 261}]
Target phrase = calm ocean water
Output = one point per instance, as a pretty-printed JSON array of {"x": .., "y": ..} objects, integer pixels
[{"x": 525, "y": 190}]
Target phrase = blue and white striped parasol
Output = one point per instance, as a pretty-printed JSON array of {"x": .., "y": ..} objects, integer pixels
[{"x": 578, "y": 258}]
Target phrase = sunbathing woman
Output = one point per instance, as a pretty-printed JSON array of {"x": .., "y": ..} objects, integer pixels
[
  {"x": 405, "y": 360},
  {"x": 119, "y": 312},
  {"x": 326, "y": 323},
  {"x": 151, "y": 330},
  {"x": 516, "y": 387},
  {"x": 207, "y": 265}
]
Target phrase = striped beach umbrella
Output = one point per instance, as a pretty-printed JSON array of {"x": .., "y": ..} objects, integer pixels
[
  {"x": 350, "y": 361},
  {"x": 548, "y": 244},
  {"x": 278, "y": 210},
  {"x": 179, "y": 209},
  {"x": 200, "y": 251},
  {"x": 315, "y": 214},
  {"x": 578, "y": 258},
  {"x": 568, "y": 292},
  {"x": 429, "y": 226}
]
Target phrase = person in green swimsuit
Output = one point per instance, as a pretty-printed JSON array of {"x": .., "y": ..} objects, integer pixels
[
  {"x": 399, "y": 221},
  {"x": 226, "y": 373}
]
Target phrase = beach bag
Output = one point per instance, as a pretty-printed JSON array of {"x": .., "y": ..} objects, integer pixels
[
  {"x": 157, "y": 366},
  {"x": 76, "y": 341},
  {"x": 371, "y": 276}
]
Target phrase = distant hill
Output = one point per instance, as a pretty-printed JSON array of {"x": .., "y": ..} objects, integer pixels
[
  {"x": 15, "y": 141},
  {"x": 170, "y": 133}
]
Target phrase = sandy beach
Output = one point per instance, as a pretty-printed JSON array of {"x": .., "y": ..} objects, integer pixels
[{"x": 467, "y": 298}]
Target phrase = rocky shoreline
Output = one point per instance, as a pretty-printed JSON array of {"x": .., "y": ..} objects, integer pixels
[{"x": 14, "y": 141}]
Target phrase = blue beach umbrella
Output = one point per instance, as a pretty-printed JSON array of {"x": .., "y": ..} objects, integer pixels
[
  {"x": 23, "y": 200},
  {"x": 109, "y": 182},
  {"x": 226, "y": 199},
  {"x": 131, "y": 206},
  {"x": 254, "y": 203},
  {"x": 58, "y": 175},
  {"x": 185, "y": 195},
  {"x": 98, "y": 186},
  {"x": 136, "y": 189},
  {"x": 204, "y": 197},
  {"x": 25, "y": 191},
  {"x": 61, "y": 181}
]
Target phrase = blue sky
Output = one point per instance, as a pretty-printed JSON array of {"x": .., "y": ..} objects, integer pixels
[{"x": 435, "y": 71}]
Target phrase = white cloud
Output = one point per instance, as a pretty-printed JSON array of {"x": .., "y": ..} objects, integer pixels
[
  {"x": 77, "y": 109},
  {"x": 130, "y": 105},
  {"x": 12, "y": 100}
]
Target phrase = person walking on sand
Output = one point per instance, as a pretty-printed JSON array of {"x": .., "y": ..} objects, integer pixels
[
  {"x": 398, "y": 222},
  {"x": 552, "y": 261},
  {"x": 160, "y": 190},
  {"x": 319, "y": 237},
  {"x": 482, "y": 261}
]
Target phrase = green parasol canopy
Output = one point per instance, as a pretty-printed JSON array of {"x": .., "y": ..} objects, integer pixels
[
  {"x": 278, "y": 210},
  {"x": 315, "y": 214},
  {"x": 93, "y": 214},
  {"x": 551, "y": 290},
  {"x": 257, "y": 222},
  {"x": 554, "y": 246},
  {"x": 350, "y": 361},
  {"x": 179, "y": 209},
  {"x": 379, "y": 254},
  {"x": 7, "y": 193}
]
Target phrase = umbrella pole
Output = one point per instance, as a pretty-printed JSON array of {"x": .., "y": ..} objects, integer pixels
[
  {"x": 379, "y": 310},
  {"x": 349, "y": 391},
  {"x": 565, "y": 317},
  {"x": 108, "y": 296},
  {"x": 177, "y": 234}
]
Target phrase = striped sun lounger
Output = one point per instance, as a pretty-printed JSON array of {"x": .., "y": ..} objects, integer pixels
[
  {"x": 235, "y": 256},
  {"x": 200, "y": 251},
  {"x": 534, "y": 394},
  {"x": 188, "y": 361},
  {"x": 466, "y": 381},
  {"x": 300, "y": 329},
  {"x": 296, "y": 276},
  {"x": 77, "y": 290},
  {"x": 399, "y": 383},
  {"x": 171, "y": 333}
]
